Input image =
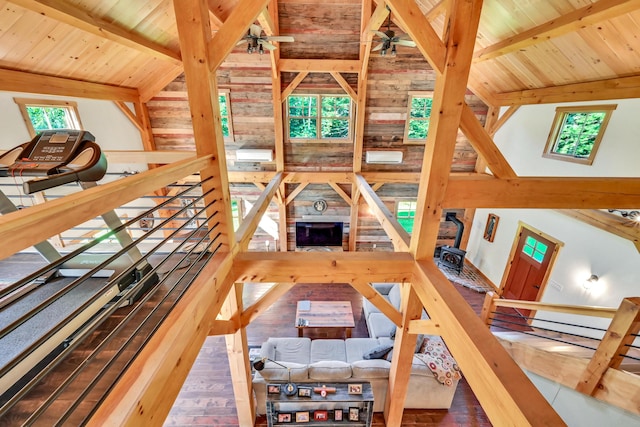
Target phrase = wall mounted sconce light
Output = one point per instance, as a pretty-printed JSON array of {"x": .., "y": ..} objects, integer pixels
[
  {"x": 590, "y": 282},
  {"x": 632, "y": 215}
]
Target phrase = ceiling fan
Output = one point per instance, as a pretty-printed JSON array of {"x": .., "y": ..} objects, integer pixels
[
  {"x": 258, "y": 42},
  {"x": 390, "y": 40}
]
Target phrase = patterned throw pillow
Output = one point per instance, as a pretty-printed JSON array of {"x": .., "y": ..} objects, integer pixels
[{"x": 436, "y": 356}]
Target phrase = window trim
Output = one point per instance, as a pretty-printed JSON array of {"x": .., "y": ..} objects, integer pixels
[
  {"x": 240, "y": 205},
  {"x": 351, "y": 119},
  {"x": 226, "y": 94},
  {"x": 414, "y": 94},
  {"x": 23, "y": 103},
  {"x": 558, "y": 120}
]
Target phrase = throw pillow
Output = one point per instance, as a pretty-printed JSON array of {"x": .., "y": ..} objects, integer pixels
[{"x": 377, "y": 352}]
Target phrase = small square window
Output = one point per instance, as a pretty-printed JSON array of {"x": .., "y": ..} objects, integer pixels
[
  {"x": 576, "y": 133},
  {"x": 43, "y": 114}
]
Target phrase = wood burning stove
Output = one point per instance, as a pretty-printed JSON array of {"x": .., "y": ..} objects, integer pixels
[{"x": 453, "y": 256}]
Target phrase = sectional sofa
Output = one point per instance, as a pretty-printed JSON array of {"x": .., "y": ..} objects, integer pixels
[
  {"x": 336, "y": 360},
  {"x": 356, "y": 360}
]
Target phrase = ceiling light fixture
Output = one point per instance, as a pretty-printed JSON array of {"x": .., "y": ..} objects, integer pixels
[
  {"x": 590, "y": 282},
  {"x": 632, "y": 215}
]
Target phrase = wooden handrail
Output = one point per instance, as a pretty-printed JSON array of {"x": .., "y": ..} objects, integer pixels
[
  {"x": 24, "y": 228},
  {"x": 594, "y": 311}
]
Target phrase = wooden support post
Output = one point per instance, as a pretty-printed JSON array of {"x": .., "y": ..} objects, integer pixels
[
  {"x": 613, "y": 346},
  {"x": 237, "y": 351},
  {"x": 489, "y": 307},
  {"x": 403, "y": 350}
]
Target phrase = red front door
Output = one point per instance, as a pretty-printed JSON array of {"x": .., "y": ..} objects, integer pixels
[{"x": 529, "y": 266}]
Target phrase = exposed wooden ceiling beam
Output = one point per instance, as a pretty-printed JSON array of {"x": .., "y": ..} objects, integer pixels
[
  {"x": 243, "y": 15},
  {"x": 399, "y": 237},
  {"x": 26, "y": 227},
  {"x": 322, "y": 267},
  {"x": 20, "y": 81},
  {"x": 319, "y": 177},
  {"x": 504, "y": 391},
  {"x": 484, "y": 145},
  {"x": 320, "y": 65},
  {"x": 250, "y": 222},
  {"x": 292, "y": 86},
  {"x": 495, "y": 127},
  {"x": 483, "y": 191},
  {"x": 345, "y": 85},
  {"x": 618, "y": 88},
  {"x": 588, "y": 15},
  {"x": 614, "y": 224},
  {"x": 448, "y": 101},
  {"x": 409, "y": 16},
  {"x": 72, "y": 15},
  {"x": 264, "y": 302}
]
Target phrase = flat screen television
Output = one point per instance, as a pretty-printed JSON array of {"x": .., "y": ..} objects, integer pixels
[{"x": 319, "y": 233}]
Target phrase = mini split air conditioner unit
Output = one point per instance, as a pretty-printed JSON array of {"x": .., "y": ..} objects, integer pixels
[
  {"x": 254, "y": 155},
  {"x": 385, "y": 157}
]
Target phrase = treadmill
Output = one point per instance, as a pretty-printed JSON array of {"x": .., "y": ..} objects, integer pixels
[{"x": 40, "y": 317}]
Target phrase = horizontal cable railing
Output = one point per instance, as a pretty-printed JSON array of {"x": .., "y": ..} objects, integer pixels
[
  {"x": 597, "y": 349},
  {"x": 82, "y": 366}
]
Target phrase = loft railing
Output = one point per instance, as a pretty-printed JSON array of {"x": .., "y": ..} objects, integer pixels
[
  {"x": 602, "y": 358},
  {"x": 96, "y": 356}
]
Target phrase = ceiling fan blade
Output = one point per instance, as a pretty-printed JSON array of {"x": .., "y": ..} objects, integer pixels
[
  {"x": 377, "y": 47},
  {"x": 255, "y": 30},
  {"x": 404, "y": 37},
  {"x": 409, "y": 43},
  {"x": 241, "y": 41},
  {"x": 382, "y": 35},
  {"x": 267, "y": 45},
  {"x": 279, "y": 38}
]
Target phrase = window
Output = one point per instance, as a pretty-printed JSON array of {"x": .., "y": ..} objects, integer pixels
[
  {"x": 319, "y": 118},
  {"x": 406, "y": 213},
  {"x": 43, "y": 114},
  {"x": 418, "y": 117},
  {"x": 236, "y": 213},
  {"x": 534, "y": 249},
  {"x": 576, "y": 133},
  {"x": 225, "y": 114}
]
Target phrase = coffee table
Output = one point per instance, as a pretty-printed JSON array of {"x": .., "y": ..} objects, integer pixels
[{"x": 324, "y": 314}]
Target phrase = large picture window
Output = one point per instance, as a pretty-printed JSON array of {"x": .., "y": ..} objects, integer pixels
[
  {"x": 576, "y": 133},
  {"x": 43, "y": 114},
  {"x": 319, "y": 118},
  {"x": 418, "y": 117}
]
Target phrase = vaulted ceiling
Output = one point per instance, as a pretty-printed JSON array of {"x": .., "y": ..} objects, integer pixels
[{"x": 520, "y": 46}]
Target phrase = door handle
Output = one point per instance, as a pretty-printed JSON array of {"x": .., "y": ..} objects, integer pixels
[{"x": 536, "y": 286}]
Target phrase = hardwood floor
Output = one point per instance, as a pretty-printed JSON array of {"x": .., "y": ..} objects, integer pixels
[{"x": 207, "y": 399}]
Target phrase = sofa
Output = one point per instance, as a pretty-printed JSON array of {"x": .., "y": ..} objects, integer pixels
[{"x": 378, "y": 324}]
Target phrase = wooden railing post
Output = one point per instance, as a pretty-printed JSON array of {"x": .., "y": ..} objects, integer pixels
[
  {"x": 489, "y": 307},
  {"x": 614, "y": 345}
]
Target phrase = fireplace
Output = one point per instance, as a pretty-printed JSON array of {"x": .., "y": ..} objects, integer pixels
[{"x": 452, "y": 256}]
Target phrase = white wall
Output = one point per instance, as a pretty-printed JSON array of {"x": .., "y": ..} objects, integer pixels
[
  {"x": 587, "y": 250},
  {"x": 112, "y": 129}
]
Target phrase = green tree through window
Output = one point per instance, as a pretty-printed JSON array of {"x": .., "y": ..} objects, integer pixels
[
  {"x": 225, "y": 115},
  {"x": 418, "y": 117},
  {"x": 577, "y": 132},
  {"x": 43, "y": 114},
  {"x": 319, "y": 117}
]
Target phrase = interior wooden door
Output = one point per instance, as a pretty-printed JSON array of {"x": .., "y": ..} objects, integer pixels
[{"x": 529, "y": 266}]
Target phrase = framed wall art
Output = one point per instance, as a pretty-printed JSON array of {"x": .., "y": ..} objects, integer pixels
[{"x": 490, "y": 228}]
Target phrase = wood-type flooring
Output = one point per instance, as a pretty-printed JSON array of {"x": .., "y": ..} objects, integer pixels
[{"x": 207, "y": 399}]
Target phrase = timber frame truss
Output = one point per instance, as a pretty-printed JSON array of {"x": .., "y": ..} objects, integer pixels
[{"x": 213, "y": 306}]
